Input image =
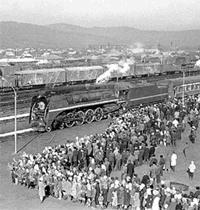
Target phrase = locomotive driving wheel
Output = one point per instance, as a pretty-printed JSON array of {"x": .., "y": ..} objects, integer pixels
[
  {"x": 98, "y": 114},
  {"x": 80, "y": 117},
  {"x": 89, "y": 116},
  {"x": 69, "y": 120}
]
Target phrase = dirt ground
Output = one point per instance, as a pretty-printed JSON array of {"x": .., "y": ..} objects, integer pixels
[{"x": 20, "y": 198}]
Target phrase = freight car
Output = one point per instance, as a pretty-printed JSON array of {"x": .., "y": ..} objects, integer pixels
[{"x": 89, "y": 74}]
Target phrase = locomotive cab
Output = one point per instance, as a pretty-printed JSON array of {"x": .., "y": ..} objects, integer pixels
[{"x": 39, "y": 112}]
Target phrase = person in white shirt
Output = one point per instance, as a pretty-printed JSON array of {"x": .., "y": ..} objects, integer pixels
[
  {"x": 191, "y": 170},
  {"x": 175, "y": 123},
  {"x": 173, "y": 161}
]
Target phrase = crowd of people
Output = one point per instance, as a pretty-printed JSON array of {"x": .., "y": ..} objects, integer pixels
[{"x": 81, "y": 171}]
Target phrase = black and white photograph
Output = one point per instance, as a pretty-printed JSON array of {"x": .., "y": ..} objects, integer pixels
[{"x": 99, "y": 105}]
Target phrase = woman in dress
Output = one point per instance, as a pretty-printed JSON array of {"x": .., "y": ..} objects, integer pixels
[
  {"x": 110, "y": 194},
  {"x": 59, "y": 188},
  {"x": 127, "y": 196},
  {"x": 114, "y": 199},
  {"x": 74, "y": 189},
  {"x": 66, "y": 187},
  {"x": 120, "y": 196},
  {"x": 78, "y": 190},
  {"x": 41, "y": 187},
  {"x": 89, "y": 193},
  {"x": 132, "y": 195},
  {"x": 136, "y": 203}
]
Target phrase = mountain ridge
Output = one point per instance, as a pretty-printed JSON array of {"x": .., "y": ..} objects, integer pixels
[{"x": 62, "y": 35}]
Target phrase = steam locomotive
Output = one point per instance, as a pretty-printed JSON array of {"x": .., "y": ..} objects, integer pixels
[
  {"x": 75, "y": 105},
  {"x": 87, "y": 103}
]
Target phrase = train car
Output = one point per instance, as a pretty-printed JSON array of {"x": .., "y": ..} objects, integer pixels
[
  {"x": 187, "y": 86},
  {"x": 72, "y": 75},
  {"x": 187, "y": 90},
  {"x": 147, "y": 69},
  {"x": 39, "y": 77},
  {"x": 81, "y": 74},
  {"x": 171, "y": 69}
]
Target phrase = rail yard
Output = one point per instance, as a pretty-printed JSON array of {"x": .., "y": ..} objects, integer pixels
[{"x": 109, "y": 107}]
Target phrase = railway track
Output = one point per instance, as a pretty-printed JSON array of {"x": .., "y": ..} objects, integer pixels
[{"x": 24, "y": 99}]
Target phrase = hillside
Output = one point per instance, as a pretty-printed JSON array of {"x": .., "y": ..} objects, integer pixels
[{"x": 20, "y": 35}]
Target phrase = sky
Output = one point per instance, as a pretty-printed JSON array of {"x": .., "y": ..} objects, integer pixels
[{"x": 141, "y": 14}]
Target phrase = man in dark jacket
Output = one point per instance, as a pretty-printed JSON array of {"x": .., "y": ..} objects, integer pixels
[
  {"x": 75, "y": 157},
  {"x": 161, "y": 164},
  {"x": 146, "y": 153},
  {"x": 130, "y": 169},
  {"x": 151, "y": 151},
  {"x": 111, "y": 159}
]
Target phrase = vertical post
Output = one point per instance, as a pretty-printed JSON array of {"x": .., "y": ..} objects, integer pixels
[
  {"x": 15, "y": 108},
  {"x": 183, "y": 93},
  {"x": 15, "y": 92}
]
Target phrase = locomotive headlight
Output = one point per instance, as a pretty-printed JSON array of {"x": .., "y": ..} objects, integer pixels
[{"x": 41, "y": 105}]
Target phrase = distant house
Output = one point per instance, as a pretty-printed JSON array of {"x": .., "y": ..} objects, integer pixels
[
  {"x": 51, "y": 58},
  {"x": 9, "y": 54},
  {"x": 26, "y": 55}
]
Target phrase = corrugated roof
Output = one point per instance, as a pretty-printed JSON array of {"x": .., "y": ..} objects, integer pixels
[
  {"x": 39, "y": 71},
  {"x": 84, "y": 68}
]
